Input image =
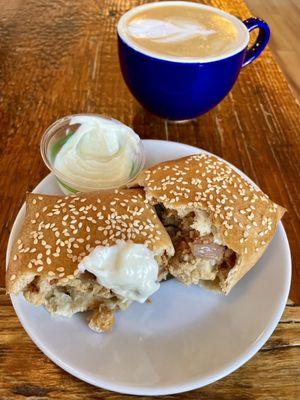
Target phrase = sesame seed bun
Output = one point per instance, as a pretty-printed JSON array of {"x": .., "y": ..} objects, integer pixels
[
  {"x": 59, "y": 231},
  {"x": 243, "y": 217}
]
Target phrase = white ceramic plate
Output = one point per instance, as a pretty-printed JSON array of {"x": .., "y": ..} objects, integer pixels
[{"x": 187, "y": 338}]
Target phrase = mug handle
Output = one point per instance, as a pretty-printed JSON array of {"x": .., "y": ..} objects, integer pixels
[{"x": 262, "y": 39}]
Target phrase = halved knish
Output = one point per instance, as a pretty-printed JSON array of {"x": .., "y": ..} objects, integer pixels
[
  {"x": 52, "y": 260},
  {"x": 219, "y": 223}
]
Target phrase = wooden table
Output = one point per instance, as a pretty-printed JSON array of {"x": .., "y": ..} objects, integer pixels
[{"x": 59, "y": 57}]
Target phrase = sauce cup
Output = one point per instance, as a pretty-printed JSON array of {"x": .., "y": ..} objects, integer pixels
[{"x": 109, "y": 175}]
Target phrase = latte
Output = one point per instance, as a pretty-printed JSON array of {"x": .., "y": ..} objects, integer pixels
[{"x": 182, "y": 30}]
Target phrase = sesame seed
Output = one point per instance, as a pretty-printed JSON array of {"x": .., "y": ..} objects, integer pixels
[
  {"x": 34, "y": 201},
  {"x": 13, "y": 277},
  {"x": 15, "y": 257},
  {"x": 40, "y": 269}
]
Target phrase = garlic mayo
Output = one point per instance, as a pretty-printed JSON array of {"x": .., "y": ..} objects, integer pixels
[
  {"x": 99, "y": 154},
  {"x": 129, "y": 269}
]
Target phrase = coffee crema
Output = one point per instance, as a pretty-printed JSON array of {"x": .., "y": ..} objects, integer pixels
[{"x": 182, "y": 30}]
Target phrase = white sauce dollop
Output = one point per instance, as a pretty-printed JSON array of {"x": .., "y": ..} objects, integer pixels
[
  {"x": 99, "y": 154},
  {"x": 128, "y": 269}
]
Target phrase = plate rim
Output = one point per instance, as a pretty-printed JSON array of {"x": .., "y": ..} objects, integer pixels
[{"x": 174, "y": 389}]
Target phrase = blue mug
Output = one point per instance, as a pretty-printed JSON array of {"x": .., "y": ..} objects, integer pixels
[{"x": 183, "y": 90}]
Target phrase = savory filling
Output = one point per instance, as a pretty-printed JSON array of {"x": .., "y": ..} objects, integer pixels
[
  {"x": 163, "y": 261},
  {"x": 199, "y": 253},
  {"x": 82, "y": 293}
]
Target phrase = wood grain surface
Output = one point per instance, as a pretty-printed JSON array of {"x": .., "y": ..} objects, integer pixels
[
  {"x": 283, "y": 17},
  {"x": 59, "y": 57}
]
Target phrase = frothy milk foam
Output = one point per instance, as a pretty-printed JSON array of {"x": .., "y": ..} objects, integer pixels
[{"x": 182, "y": 30}]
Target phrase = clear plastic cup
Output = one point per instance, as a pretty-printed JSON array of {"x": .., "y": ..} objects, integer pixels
[{"x": 57, "y": 135}]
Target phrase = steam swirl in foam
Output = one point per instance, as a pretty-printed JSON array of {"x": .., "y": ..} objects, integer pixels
[{"x": 167, "y": 32}]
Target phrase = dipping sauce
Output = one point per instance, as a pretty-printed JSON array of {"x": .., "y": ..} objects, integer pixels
[
  {"x": 129, "y": 269},
  {"x": 89, "y": 152}
]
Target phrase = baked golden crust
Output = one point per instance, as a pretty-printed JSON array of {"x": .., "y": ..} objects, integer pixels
[
  {"x": 244, "y": 218},
  {"x": 59, "y": 231}
]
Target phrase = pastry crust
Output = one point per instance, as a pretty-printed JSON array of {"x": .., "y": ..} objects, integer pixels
[{"x": 59, "y": 231}]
